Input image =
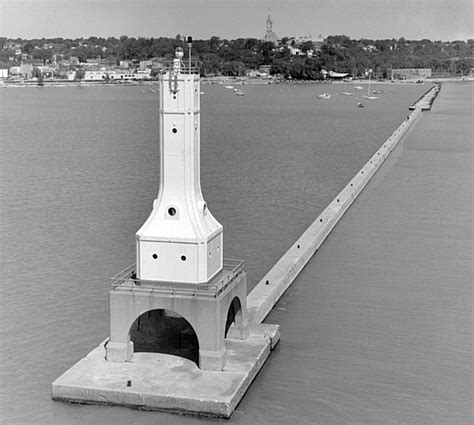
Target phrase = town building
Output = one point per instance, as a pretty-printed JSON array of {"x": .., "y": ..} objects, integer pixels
[
  {"x": 145, "y": 64},
  {"x": 264, "y": 70},
  {"x": 252, "y": 73},
  {"x": 411, "y": 74},
  {"x": 95, "y": 75},
  {"x": 306, "y": 45},
  {"x": 117, "y": 75}
]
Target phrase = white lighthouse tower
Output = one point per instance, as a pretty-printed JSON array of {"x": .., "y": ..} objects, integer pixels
[
  {"x": 181, "y": 241},
  {"x": 180, "y": 267}
]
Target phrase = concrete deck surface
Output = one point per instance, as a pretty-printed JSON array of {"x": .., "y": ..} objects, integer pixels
[{"x": 154, "y": 381}]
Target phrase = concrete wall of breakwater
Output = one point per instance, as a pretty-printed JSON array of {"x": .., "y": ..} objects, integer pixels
[{"x": 268, "y": 291}]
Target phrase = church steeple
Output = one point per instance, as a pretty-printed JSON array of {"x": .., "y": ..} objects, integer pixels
[
  {"x": 269, "y": 34},
  {"x": 269, "y": 21}
]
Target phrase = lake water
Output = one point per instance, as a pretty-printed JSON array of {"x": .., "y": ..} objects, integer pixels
[{"x": 79, "y": 172}]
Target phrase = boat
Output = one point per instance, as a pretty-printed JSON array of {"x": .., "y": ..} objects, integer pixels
[
  {"x": 358, "y": 87},
  {"x": 360, "y": 105},
  {"x": 239, "y": 92},
  {"x": 229, "y": 87},
  {"x": 369, "y": 97},
  {"x": 325, "y": 96},
  {"x": 333, "y": 74}
]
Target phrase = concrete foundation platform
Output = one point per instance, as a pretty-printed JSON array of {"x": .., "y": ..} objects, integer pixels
[{"x": 154, "y": 381}]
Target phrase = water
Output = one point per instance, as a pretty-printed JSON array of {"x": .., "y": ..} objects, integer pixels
[{"x": 79, "y": 172}]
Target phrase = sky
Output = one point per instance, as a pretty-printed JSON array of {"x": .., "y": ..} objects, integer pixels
[{"x": 444, "y": 20}]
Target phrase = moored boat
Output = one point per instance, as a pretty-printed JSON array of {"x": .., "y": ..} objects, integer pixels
[
  {"x": 369, "y": 97},
  {"x": 325, "y": 96}
]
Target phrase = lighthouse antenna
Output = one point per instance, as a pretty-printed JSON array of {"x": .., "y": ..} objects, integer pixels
[{"x": 190, "y": 44}]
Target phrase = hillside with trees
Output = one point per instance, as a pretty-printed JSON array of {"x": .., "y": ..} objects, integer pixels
[{"x": 289, "y": 58}]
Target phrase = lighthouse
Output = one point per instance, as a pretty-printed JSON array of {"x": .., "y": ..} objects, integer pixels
[
  {"x": 180, "y": 270},
  {"x": 180, "y": 338},
  {"x": 180, "y": 241}
]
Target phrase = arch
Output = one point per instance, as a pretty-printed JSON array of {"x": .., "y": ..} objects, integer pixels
[
  {"x": 165, "y": 331},
  {"x": 234, "y": 315}
]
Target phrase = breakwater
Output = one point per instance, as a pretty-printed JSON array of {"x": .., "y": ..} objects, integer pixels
[
  {"x": 426, "y": 100},
  {"x": 273, "y": 285}
]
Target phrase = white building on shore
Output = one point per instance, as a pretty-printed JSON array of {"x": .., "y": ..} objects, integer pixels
[
  {"x": 411, "y": 74},
  {"x": 117, "y": 75}
]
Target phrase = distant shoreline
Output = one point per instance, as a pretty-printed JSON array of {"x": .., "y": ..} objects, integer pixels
[{"x": 221, "y": 81}]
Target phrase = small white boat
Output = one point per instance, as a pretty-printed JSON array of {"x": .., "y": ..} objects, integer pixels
[
  {"x": 202, "y": 92},
  {"x": 358, "y": 87},
  {"x": 325, "y": 96},
  {"x": 229, "y": 87},
  {"x": 369, "y": 97},
  {"x": 360, "y": 105},
  {"x": 239, "y": 92}
]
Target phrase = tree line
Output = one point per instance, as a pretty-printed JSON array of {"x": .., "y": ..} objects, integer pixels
[{"x": 218, "y": 56}]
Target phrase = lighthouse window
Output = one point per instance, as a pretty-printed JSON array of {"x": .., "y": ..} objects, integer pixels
[
  {"x": 183, "y": 258},
  {"x": 172, "y": 211},
  {"x": 175, "y": 130}
]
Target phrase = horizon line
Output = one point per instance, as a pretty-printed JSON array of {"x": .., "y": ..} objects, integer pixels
[{"x": 229, "y": 39}]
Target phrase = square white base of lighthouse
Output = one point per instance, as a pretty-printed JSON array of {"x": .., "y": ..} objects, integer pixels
[{"x": 155, "y": 381}]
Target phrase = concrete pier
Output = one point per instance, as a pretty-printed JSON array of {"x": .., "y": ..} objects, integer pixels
[
  {"x": 378, "y": 327},
  {"x": 267, "y": 292}
]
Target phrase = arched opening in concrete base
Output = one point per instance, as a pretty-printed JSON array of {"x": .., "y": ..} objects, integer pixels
[
  {"x": 164, "y": 331},
  {"x": 234, "y": 315}
]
